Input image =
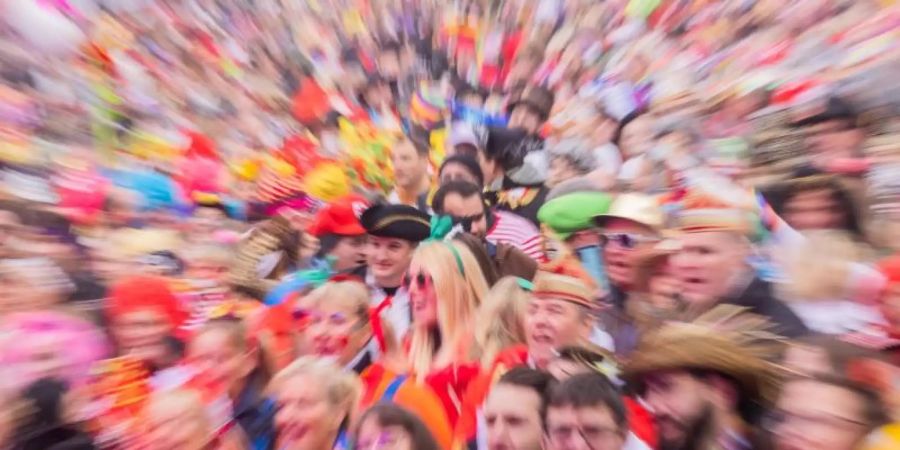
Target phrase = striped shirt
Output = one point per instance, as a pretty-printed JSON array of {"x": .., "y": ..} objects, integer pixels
[{"x": 509, "y": 228}]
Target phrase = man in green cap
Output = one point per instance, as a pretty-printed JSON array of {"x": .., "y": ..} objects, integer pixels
[{"x": 569, "y": 213}]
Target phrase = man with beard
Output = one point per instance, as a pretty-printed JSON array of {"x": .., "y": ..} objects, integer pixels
[{"x": 706, "y": 381}]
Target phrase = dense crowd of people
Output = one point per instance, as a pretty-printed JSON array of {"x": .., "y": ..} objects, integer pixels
[{"x": 467, "y": 224}]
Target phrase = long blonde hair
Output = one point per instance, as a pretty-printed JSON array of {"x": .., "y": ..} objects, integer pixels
[
  {"x": 499, "y": 323},
  {"x": 456, "y": 305}
]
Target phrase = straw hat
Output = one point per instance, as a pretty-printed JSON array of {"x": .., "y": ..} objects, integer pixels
[
  {"x": 639, "y": 208},
  {"x": 726, "y": 339}
]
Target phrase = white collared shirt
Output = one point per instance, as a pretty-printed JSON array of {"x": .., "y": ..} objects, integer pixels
[{"x": 398, "y": 314}]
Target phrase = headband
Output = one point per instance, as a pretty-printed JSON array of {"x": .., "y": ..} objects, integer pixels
[{"x": 441, "y": 227}]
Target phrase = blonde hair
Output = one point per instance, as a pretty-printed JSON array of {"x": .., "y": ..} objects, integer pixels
[
  {"x": 819, "y": 267},
  {"x": 456, "y": 302},
  {"x": 188, "y": 401},
  {"x": 500, "y": 320},
  {"x": 475, "y": 279},
  {"x": 342, "y": 389},
  {"x": 217, "y": 254},
  {"x": 357, "y": 295},
  {"x": 353, "y": 293}
]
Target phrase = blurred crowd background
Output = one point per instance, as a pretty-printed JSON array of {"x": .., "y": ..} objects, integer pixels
[{"x": 179, "y": 177}]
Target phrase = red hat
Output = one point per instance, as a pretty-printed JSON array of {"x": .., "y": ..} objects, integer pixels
[{"x": 340, "y": 217}]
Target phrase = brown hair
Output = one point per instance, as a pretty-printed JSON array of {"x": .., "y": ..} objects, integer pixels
[{"x": 392, "y": 415}]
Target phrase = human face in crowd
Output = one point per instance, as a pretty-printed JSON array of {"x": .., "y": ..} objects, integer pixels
[
  {"x": 814, "y": 210},
  {"x": 807, "y": 359},
  {"x": 207, "y": 269},
  {"x": 142, "y": 334},
  {"x": 336, "y": 330},
  {"x": 389, "y": 64},
  {"x": 524, "y": 117},
  {"x": 490, "y": 168},
  {"x": 624, "y": 242},
  {"x": 305, "y": 419},
  {"x": 457, "y": 172},
  {"x": 834, "y": 421},
  {"x": 220, "y": 359},
  {"x": 583, "y": 428},
  {"x": 708, "y": 264},
  {"x": 470, "y": 209},
  {"x": 176, "y": 422},
  {"x": 464, "y": 149},
  {"x": 388, "y": 258},
  {"x": 561, "y": 169},
  {"x": 551, "y": 324},
  {"x": 422, "y": 296},
  {"x": 409, "y": 167},
  {"x": 349, "y": 252},
  {"x": 513, "y": 417},
  {"x": 206, "y": 220},
  {"x": 374, "y": 436},
  {"x": 637, "y": 137},
  {"x": 681, "y": 404},
  {"x": 21, "y": 294},
  {"x": 834, "y": 139}
]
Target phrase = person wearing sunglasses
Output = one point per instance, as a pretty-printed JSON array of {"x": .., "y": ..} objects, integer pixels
[
  {"x": 630, "y": 227},
  {"x": 464, "y": 203},
  {"x": 337, "y": 324}
]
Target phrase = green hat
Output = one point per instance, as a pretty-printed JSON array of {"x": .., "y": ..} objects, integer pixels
[{"x": 574, "y": 212}]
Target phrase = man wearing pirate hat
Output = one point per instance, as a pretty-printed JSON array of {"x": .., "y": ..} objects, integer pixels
[{"x": 394, "y": 232}]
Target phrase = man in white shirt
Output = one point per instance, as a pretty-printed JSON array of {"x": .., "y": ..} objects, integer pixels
[{"x": 394, "y": 232}]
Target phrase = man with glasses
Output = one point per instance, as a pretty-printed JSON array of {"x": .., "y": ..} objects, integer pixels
[
  {"x": 585, "y": 412},
  {"x": 464, "y": 202},
  {"x": 631, "y": 227},
  {"x": 841, "y": 416}
]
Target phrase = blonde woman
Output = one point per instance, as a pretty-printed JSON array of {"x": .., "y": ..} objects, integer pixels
[
  {"x": 338, "y": 325},
  {"x": 315, "y": 401},
  {"x": 443, "y": 298},
  {"x": 500, "y": 320},
  {"x": 179, "y": 419}
]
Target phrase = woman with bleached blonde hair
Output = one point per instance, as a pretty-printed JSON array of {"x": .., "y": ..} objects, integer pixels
[
  {"x": 444, "y": 298},
  {"x": 499, "y": 322},
  {"x": 316, "y": 400},
  {"x": 443, "y": 293}
]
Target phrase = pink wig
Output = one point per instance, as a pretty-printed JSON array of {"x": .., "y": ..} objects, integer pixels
[{"x": 75, "y": 345}]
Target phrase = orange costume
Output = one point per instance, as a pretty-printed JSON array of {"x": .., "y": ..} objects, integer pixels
[{"x": 381, "y": 384}]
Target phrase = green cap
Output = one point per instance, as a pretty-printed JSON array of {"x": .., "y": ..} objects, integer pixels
[{"x": 574, "y": 212}]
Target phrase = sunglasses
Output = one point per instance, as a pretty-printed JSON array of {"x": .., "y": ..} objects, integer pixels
[
  {"x": 625, "y": 240},
  {"x": 466, "y": 221},
  {"x": 424, "y": 280}
]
